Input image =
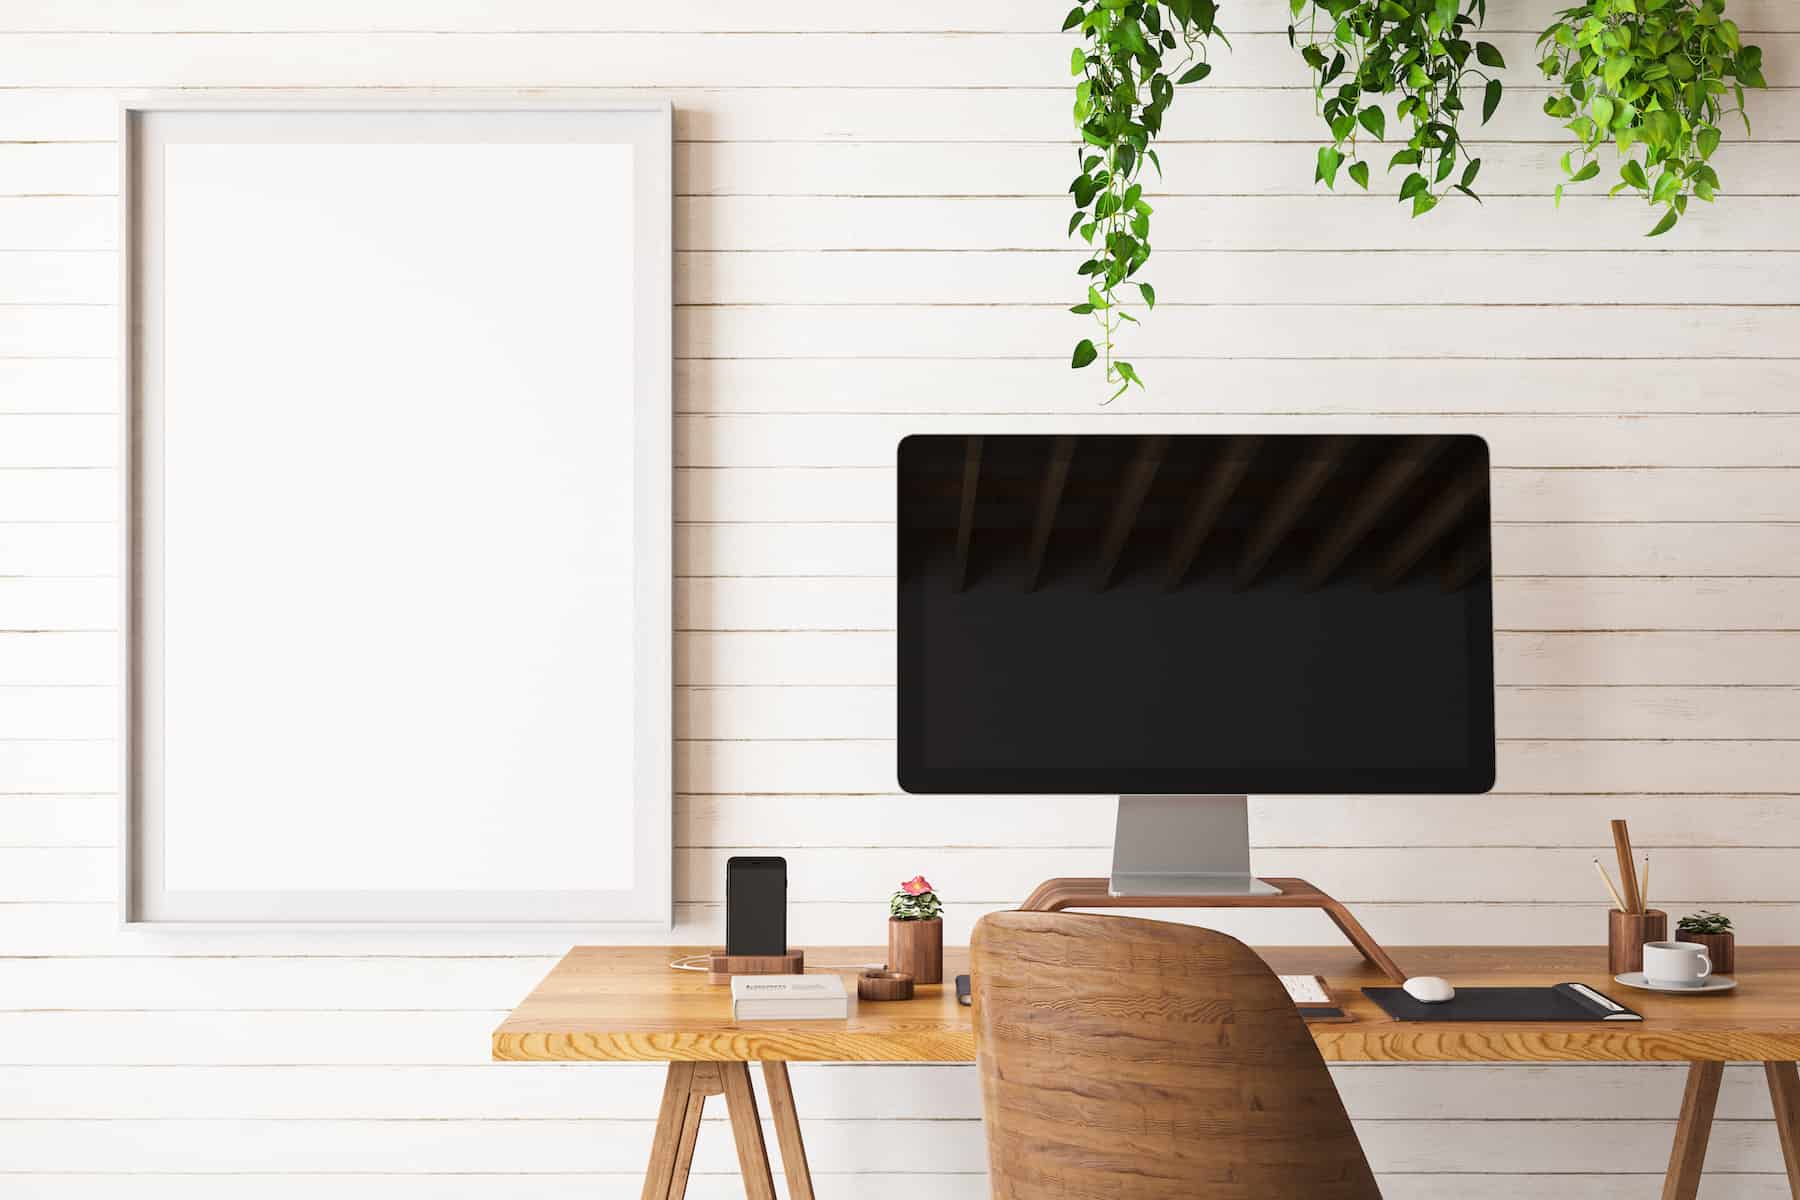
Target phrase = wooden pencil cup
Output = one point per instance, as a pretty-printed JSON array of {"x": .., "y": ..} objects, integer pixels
[{"x": 1626, "y": 934}]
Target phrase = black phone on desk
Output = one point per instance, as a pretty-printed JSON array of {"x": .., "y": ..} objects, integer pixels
[{"x": 756, "y": 905}]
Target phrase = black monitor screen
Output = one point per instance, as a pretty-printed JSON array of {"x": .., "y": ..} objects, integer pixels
[{"x": 1195, "y": 614}]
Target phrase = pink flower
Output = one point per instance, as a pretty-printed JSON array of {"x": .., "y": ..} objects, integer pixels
[{"x": 918, "y": 885}]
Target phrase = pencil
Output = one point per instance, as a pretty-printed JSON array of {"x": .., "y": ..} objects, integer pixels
[
  {"x": 1610, "y": 889},
  {"x": 1644, "y": 884}
]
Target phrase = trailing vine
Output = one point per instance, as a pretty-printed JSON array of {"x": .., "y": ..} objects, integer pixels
[
  {"x": 1124, "y": 92},
  {"x": 1649, "y": 76},
  {"x": 1418, "y": 49}
]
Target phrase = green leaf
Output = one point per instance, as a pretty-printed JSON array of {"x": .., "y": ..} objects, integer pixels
[
  {"x": 1414, "y": 185},
  {"x": 1587, "y": 172},
  {"x": 1602, "y": 110},
  {"x": 1374, "y": 120},
  {"x": 1149, "y": 294},
  {"x": 1084, "y": 354},
  {"x": 1469, "y": 173},
  {"x": 1423, "y": 203},
  {"x": 1488, "y": 55},
  {"x": 1195, "y": 73},
  {"x": 1073, "y": 19},
  {"x": 1082, "y": 309},
  {"x": 1359, "y": 171},
  {"x": 1667, "y": 223},
  {"x": 1077, "y": 61},
  {"x": 1706, "y": 140},
  {"x": 1327, "y": 169},
  {"x": 1490, "y": 100},
  {"x": 1127, "y": 372},
  {"x": 1633, "y": 174}
]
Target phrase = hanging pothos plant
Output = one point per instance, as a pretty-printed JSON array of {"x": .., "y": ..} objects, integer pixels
[
  {"x": 1651, "y": 76},
  {"x": 1362, "y": 52},
  {"x": 1125, "y": 89}
]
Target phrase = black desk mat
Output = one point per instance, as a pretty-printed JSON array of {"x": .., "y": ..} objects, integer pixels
[{"x": 1558, "y": 1003}]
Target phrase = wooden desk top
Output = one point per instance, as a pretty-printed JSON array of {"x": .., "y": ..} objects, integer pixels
[{"x": 623, "y": 1003}]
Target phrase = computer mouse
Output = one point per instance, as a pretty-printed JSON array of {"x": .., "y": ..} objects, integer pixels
[{"x": 1429, "y": 989}]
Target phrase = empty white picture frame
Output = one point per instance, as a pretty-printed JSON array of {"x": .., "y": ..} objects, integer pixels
[{"x": 398, "y": 512}]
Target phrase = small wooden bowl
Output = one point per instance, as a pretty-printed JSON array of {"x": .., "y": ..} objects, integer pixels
[{"x": 884, "y": 985}]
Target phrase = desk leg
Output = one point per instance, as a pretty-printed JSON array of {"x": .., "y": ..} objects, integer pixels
[
  {"x": 679, "y": 1099},
  {"x": 1784, "y": 1090},
  {"x": 1688, "y": 1156},
  {"x": 684, "y": 1153},
  {"x": 787, "y": 1130},
  {"x": 746, "y": 1131}
]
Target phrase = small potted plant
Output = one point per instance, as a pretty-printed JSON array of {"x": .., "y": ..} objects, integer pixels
[
  {"x": 916, "y": 931},
  {"x": 1713, "y": 931}
]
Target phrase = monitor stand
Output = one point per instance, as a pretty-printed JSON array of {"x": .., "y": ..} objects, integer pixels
[
  {"x": 1194, "y": 852},
  {"x": 1184, "y": 846}
]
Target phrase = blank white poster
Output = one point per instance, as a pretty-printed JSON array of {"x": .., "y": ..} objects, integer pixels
[{"x": 397, "y": 517}]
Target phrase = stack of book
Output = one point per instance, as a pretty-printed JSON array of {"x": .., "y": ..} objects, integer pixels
[{"x": 788, "y": 998}]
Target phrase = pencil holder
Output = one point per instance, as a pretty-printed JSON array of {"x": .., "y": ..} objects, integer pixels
[{"x": 1626, "y": 934}]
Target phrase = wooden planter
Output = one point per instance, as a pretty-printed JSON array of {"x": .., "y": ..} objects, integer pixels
[
  {"x": 917, "y": 947},
  {"x": 1720, "y": 947}
]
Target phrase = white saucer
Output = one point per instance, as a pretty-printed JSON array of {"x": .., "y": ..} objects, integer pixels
[{"x": 1716, "y": 983}]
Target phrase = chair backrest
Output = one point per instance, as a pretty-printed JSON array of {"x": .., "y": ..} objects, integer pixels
[{"x": 1139, "y": 1060}]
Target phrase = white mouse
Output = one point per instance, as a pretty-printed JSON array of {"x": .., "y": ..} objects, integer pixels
[{"x": 1429, "y": 989}]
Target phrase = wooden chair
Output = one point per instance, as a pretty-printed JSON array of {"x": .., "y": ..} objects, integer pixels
[{"x": 1138, "y": 1060}]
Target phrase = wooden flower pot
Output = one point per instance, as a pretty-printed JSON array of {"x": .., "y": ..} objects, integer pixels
[
  {"x": 1720, "y": 947},
  {"x": 917, "y": 947}
]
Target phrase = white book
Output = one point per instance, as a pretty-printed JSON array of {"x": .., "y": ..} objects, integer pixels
[{"x": 789, "y": 998}]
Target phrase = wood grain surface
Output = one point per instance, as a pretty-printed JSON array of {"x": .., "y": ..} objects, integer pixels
[
  {"x": 623, "y": 1003},
  {"x": 1687, "y": 1157},
  {"x": 1139, "y": 1060}
]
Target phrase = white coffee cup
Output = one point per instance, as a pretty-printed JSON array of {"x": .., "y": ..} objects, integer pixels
[{"x": 1680, "y": 964}]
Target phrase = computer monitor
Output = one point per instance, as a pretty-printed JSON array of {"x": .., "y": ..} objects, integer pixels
[{"x": 1194, "y": 616}]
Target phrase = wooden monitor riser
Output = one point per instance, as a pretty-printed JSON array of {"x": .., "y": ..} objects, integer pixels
[{"x": 1054, "y": 895}]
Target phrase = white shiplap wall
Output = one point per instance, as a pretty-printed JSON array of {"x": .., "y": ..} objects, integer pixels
[{"x": 868, "y": 245}]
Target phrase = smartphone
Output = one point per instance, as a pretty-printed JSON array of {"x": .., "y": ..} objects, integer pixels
[{"x": 756, "y": 906}]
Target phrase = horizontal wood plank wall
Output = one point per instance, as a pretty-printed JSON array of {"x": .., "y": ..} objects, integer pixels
[{"x": 868, "y": 221}]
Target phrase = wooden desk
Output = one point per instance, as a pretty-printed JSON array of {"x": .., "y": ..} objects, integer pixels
[{"x": 613, "y": 1004}]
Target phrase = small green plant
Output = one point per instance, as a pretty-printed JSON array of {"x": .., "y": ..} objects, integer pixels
[
  {"x": 915, "y": 901},
  {"x": 1652, "y": 77},
  {"x": 1126, "y": 87},
  {"x": 1362, "y": 52},
  {"x": 1703, "y": 922}
]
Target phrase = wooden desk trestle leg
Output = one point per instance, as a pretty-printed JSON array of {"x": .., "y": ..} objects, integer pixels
[
  {"x": 1688, "y": 1157},
  {"x": 1784, "y": 1090},
  {"x": 678, "y": 1128}
]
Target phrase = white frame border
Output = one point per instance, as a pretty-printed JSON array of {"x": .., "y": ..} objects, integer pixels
[{"x": 648, "y": 906}]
